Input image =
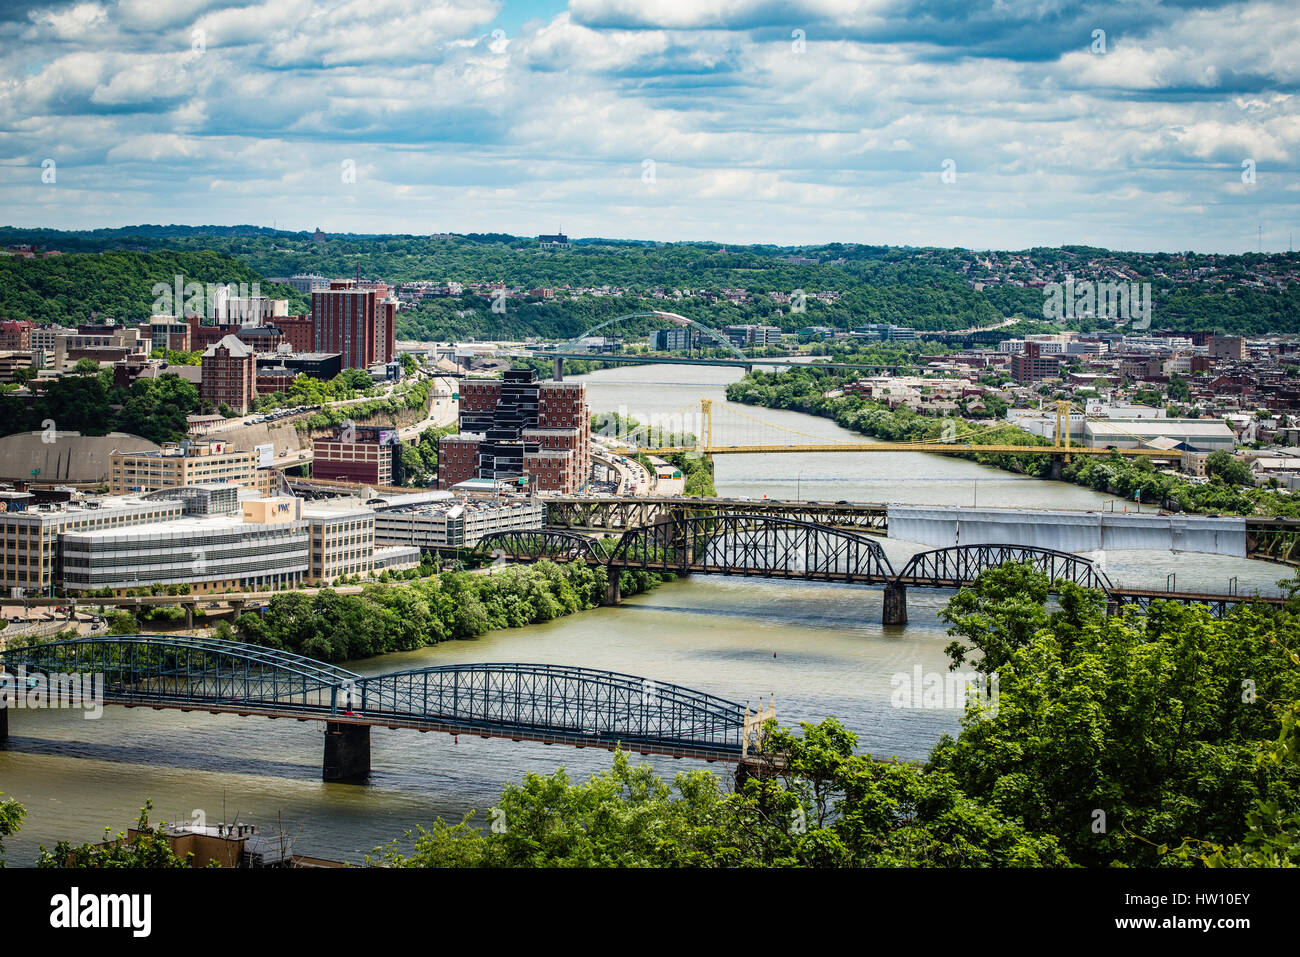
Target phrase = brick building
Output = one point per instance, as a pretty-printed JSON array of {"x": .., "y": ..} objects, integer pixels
[
  {"x": 358, "y": 322},
  {"x": 516, "y": 427},
  {"x": 360, "y": 453},
  {"x": 229, "y": 374},
  {"x": 16, "y": 334},
  {"x": 1031, "y": 365}
]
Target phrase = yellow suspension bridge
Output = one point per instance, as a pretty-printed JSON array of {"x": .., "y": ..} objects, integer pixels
[{"x": 675, "y": 432}]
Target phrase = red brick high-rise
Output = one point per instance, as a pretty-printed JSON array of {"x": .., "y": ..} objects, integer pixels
[
  {"x": 229, "y": 374},
  {"x": 359, "y": 323}
]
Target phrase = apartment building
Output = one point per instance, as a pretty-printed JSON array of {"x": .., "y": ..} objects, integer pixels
[
  {"x": 516, "y": 428},
  {"x": 356, "y": 321},
  {"x": 229, "y": 374}
]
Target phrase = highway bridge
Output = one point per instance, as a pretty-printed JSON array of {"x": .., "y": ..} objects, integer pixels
[{"x": 551, "y": 704}]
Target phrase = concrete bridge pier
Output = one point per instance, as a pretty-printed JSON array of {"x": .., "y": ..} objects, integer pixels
[
  {"x": 557, "y": 369},
  {"x": 347, "y": 753},
  {"x": 189, "y": 615},
  {"x": 4, "y": 725},
  {"x": 1057, "y": 472},
  {"x": 613, "y": 594},
  {"x": 895, "y": 610}
]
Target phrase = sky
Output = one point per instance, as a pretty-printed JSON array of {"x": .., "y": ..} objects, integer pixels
[{"x": 1001, "y": 124}]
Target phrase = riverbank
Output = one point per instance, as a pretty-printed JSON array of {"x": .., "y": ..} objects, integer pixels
[
  {"x": 803, "y": 390},
  {"x": 445, "y": 607}
]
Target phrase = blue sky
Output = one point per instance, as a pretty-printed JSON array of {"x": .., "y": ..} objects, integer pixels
[{"x": 978, "y": 123}]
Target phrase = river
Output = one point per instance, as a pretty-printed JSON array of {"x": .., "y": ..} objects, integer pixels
[{"x": 819, "y": 649}]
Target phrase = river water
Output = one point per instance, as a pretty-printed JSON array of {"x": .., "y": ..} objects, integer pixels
[{"x": 819, "y": 649}]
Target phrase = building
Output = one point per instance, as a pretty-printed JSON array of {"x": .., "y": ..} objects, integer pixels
[
  {"x": 253, "y": 310},
  {"x": 886, "y": 332},
  {"x": 1197, "y": 435},
  {"x": 30, "y": 546},
  {"x": 358, "y": 323},
  {"x": 459, "y": 523},
  {"x": 553, "y": 241},
  {"x": 673, "y": 340},
  {"x": 358, "y": 453},
  {"x": 298, "y": 331},
  {"x": 752, "y": 335},
  {"x": 229, "y": 375},
  {"x": 185, "y": 463},
  {"x": 1227, "y": 347},
  {"x": 263, "y": 547},
  {"x": 1032, "y": 365},
  {"x": 519, "y": 429},
  {"x": 16, "y": 335},
  {"x": 341, "y": 537}
]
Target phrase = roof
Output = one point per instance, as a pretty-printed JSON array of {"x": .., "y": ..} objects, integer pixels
[{"x": 231, "y": 344}]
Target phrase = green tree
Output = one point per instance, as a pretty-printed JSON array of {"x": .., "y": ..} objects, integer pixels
[
  {"x": 11, "y": 819},
  {"x": 145, "y": 847}
]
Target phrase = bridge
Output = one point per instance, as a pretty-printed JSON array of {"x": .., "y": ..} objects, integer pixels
[
  {"x": 770, "y": 546},
  {"x": 1267, "y": 539},
  {"x": 552, "y": 704},
  {"x": 686, "y": 431}
]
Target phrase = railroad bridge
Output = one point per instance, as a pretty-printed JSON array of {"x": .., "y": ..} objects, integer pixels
[
  {"x": 553, "y": 704},
  {"x": 773, "y": 546}
]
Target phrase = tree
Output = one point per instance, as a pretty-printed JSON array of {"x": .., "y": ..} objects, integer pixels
[
  {"x": 122, "y": 623},
  {"x": 146, "y": 847},
  {"x": 86, "y": 367},
  {"x": 11, "y": 819},
  {"x": 1222, "y": 465}
]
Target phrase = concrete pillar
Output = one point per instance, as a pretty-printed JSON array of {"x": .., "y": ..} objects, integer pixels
[
  {"x": 1058, "y": 468},
  {"x": 189, "y": 615},
  {"x": 613, "y": 595},
  {"x": 1112, "y": 607},
  {"x": 347, "y": 752},
  {"x": 4, "y": 725},
  {"x": 557, "y": 369},
  {"x": 895, "y": 612}
]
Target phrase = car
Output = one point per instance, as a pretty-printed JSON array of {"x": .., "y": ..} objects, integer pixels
[{"x": 843, "y": 501}]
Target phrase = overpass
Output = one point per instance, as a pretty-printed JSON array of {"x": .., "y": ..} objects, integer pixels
[{"x": 551, "y": 704}]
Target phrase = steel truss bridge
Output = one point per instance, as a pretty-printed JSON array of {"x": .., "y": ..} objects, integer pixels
[
  {"x": 771, "y": 546},
  {"x": 553, "y": 704},
  {"x": 1267, "y": 539}
]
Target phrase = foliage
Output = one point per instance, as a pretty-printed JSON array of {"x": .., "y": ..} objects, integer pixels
[
  {"x": 146, "y": 847},
  {"x": 122, "y": 623},
  {"x": 11, "y": 819},
  {"x": 154, "y": 409},
  {"x": 451, "y": 605}
]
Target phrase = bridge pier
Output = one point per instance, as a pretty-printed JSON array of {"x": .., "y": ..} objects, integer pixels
[
  {"x": 4, "y": 723},
  {"x": 613, "y": 593},
  {"x": 557, "y": 369},
  {"x": 895, "y": 610},
  {"x": 1057, "y": 472},
  {"x": 189, "y": 615},
  {"x": 347, "y": 753}
]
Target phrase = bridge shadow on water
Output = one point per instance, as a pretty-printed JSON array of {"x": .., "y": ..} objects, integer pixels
[{"x": 208, "y": 761}]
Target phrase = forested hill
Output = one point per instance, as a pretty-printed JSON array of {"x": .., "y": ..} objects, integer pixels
[
  {"x": 925, "y": 288},
  {"x": 116, "y": 284}
]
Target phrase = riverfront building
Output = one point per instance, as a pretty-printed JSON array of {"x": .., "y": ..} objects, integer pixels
[
  {"x": 263, "y": 547},
  {"x": 30, "y": 543}
]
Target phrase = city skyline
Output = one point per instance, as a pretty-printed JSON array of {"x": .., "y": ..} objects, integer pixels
[{"x": 1140, "y": 128}]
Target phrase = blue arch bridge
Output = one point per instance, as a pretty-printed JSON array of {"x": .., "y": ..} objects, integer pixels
[
  {"x": 552, "y": 704},
  {"x": 773, "y": 546}
]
